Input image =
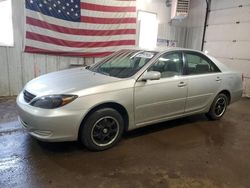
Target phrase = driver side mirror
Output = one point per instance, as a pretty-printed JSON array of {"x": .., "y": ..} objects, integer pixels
[{"x": 151, "y": 75}]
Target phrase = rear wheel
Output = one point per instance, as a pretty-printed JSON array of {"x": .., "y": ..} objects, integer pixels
[
  {"x": 102, "y": 130},
  {"x": 218, "y": 107}
]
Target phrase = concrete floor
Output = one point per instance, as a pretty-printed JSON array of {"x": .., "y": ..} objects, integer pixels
[{"x": 190, "y": 152}]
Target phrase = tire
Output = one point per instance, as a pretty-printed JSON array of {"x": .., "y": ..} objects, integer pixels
[
  {"x": 102, "y": 129},
  {"x": 218, "y": 107}
]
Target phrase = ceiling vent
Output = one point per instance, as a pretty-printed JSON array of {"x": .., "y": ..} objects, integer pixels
[{"x": 179, "y": 9}]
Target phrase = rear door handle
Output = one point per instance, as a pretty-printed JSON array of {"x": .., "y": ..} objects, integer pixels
[
  {"x": 218, "y": 79},
  {"x": 182, "y": 84}
]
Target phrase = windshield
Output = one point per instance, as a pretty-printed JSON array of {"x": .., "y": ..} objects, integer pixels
[{"x": 124, "y": 64}]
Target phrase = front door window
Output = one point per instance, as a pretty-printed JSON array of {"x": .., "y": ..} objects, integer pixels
[{"x": 168, "y": 65}]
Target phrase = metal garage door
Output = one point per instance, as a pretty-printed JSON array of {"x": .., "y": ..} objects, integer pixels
[{"x": 228, "y": 35}]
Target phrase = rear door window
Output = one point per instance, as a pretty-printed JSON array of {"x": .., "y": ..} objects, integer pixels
[{"x": 199, "y": 64}]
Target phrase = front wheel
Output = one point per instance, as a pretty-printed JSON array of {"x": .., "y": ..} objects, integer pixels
[
  {"x": 102, "y": 129},
  {"x": 218, "y": 107}
]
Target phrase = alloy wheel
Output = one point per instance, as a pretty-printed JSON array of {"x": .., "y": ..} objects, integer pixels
[
  {"x": 220, "y": 106},
  {"x": 105, "y": 131}
]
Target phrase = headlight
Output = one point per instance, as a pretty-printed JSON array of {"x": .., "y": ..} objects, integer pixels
[{"x": 52, "y": 101}]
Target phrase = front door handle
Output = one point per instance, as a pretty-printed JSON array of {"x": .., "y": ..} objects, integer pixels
[
  {"x": 182, "y": 84},
  {"x": 218, "y": 79}
]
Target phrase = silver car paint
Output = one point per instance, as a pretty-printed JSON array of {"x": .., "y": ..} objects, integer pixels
[
  {"x": 145, "y": 102},
  {"x": 154, "y": 99},
  {"x": 67, "y": 81}
]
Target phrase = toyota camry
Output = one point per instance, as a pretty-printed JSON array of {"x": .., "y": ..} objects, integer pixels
[{"x": 127, "y": 90}]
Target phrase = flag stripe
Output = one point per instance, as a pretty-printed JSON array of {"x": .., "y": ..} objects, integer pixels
[
  {"x": 104, "y": 8},
  {"x": 94, "y": 54},
  {"x": 52, "y": 40},
  {"x": 108, "y": 14},
  {"x": 116, "y": 3},
  {"x": 73, "y": 31},
  {"x": 75, "y": 25},
  {"x": 79, "y": 38},
  {"x": 96, "y": 20},
  {"x": 54, "y": 47}
]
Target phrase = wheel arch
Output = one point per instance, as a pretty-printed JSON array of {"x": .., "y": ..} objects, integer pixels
[
  {"x": 118, "y": 107},
  {"x": 228, "y": 94}
]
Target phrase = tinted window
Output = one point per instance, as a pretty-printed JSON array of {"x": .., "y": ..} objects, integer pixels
[
  {"x": 168, "y": 65},
  {"x": 199, "y": 64}
]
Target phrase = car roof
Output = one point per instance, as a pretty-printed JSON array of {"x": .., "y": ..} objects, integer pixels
[{"x": 162, "y": 49}]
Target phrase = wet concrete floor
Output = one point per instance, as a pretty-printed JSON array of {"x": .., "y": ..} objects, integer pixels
[{"x": 189, "y": 152}]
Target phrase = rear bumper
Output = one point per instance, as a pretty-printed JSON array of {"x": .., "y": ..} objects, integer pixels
[{"x": 49, "y": 125}]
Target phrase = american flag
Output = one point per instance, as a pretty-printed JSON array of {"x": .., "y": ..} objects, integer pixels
[{"x": 87, "y": 28}]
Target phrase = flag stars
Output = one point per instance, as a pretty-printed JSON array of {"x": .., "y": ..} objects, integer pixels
[{"x": 62, "y": 9}]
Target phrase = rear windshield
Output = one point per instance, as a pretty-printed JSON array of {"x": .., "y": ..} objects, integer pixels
[{"x": 124, "y": 64}]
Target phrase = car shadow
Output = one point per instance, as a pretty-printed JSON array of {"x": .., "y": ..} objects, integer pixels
[
  {"x": 164, "y": 125},
  {"x": 61, "y": 147}
]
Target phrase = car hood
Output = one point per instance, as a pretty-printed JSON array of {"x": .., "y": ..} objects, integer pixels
[{"x": 67, "y": 82}]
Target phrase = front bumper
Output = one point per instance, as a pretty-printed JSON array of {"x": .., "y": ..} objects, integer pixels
[{"x": 53, "y": 125}]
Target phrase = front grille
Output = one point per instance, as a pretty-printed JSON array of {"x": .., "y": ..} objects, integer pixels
[{"x": 28, "y": 96}]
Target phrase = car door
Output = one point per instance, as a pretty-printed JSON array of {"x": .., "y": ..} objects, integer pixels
[
  {"x": 204, "y": 80},
  {"x": 166, "y": 97}
]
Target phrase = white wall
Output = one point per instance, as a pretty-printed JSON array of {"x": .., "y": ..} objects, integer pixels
[
  {"x": 195, "y": 24},
  {"x": 17, "y": 68},
  {"x": 156, "y": 6}
]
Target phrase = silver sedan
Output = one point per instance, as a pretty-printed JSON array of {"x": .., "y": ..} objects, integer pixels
[{"x": 125, "y": 91}]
